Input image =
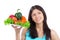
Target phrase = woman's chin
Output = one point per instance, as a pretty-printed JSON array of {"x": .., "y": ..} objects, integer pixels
[{"x": 38, "y": 22}]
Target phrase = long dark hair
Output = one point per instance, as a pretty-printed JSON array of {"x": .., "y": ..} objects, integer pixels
[{"x": 33, "y": 31}]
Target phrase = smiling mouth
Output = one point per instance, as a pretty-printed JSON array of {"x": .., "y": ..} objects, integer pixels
[{"x": 37, "y": 19}]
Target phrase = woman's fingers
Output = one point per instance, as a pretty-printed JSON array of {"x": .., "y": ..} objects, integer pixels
[{"x": 16, "y": 27}]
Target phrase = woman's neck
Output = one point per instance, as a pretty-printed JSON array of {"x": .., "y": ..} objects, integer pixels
[{"x": 39, "y": 26}]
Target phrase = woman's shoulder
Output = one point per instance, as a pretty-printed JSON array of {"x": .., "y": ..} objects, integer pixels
[{"x": 54, "y": 35}]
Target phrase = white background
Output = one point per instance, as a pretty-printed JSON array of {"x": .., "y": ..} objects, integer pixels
[{"x": 7, "y": 7}]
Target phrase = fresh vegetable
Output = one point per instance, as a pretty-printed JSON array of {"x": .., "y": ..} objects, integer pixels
[
  {"x": 11, "y": 16},
  {"x": 17, "y": 19},
  {"x": 25, "y": 25},
  {"x": 23, "y": 19},
  {"x": 9, "y": 21},
  {"x": 14, "y": 19},
  {"x": 18, "y": 14}
]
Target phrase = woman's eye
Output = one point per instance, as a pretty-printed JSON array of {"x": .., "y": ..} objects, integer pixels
[
  {"x": 33, "y": 14},
  {"x": 39, "y": 13}
]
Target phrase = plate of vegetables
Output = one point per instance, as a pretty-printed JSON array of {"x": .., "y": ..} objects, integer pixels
[{"x": 17, "y": 19}]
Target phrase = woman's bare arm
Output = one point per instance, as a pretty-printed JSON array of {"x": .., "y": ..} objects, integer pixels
[
  {"x": 23, "y": 33},
  {"x": 54, "y": 35},
  {"x": 17, "y": 31},
  {"x": 18, "y": 36}
]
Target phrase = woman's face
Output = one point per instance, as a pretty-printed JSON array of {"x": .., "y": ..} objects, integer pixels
[{"x": 37, "y": 16}]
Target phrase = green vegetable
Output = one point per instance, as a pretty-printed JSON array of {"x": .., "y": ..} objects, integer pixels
[
  {"x": 18, "y": 14},
  {"x": 8, "y": 21},
  {"x": 19, "y": 23},
  {"x": 26, "y": 25}
]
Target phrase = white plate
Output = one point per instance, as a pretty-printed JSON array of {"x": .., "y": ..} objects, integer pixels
[{"x": 18, "y": 26}]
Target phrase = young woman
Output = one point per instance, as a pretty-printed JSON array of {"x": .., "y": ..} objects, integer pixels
[{"x": 39, "y": 29}]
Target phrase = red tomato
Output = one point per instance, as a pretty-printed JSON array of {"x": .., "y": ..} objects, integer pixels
[{"x": 11, "y": 16}]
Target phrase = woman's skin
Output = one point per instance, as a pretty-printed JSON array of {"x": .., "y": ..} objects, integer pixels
[
  {"x": 17, "y": 31},
  {"x": 38, "y": 18}
]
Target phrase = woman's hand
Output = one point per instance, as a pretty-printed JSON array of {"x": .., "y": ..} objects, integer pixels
[{"x": 17, "y": 28}]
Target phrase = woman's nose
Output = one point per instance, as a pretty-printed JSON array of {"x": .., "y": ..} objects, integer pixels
[{"x": 37, "y": 16}]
